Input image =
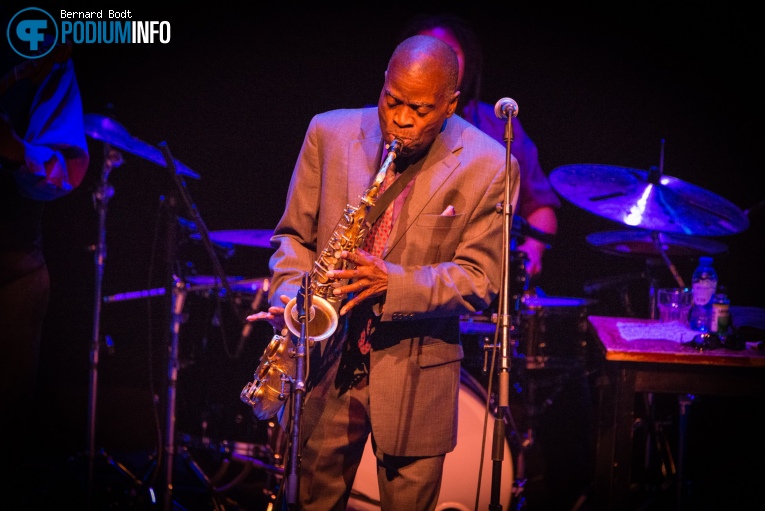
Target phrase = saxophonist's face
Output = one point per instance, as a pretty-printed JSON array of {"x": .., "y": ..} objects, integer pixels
[{"x": 414, "y": 104}]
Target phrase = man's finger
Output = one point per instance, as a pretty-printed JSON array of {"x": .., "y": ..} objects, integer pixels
[{"x": 260, "y": 316}]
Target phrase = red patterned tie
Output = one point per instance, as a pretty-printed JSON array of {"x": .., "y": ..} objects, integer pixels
[
  {"x": 375, "y": 243},
  {"x": 378, "y": 234}
]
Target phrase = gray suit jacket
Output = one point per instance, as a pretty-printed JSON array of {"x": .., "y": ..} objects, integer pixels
[{"x": 439, "y": 267}]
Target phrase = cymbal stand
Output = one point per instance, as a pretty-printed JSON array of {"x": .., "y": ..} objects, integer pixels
[
  {"x": 654, "y": 176},
  {"x": 656, "y": 439},
  {"x": 104, "y": 191},
  {"x": 176, "y": 312},
  {"x": 178, "y": 301},
  {"x": 655, "y": 236}
]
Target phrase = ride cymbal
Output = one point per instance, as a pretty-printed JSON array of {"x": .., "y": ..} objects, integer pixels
[
  {"x": 113, "y": 133},
  {"x": 648, "y": 200}
]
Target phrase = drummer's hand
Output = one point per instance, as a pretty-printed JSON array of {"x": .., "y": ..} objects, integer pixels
[
  {"x": 534, "y": 251},
  {"x": 275, "y": 315},
  {"x": 367, "y": 279}
]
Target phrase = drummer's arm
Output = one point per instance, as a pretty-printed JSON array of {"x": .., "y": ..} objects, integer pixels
[{"x": 52, "y": 157}]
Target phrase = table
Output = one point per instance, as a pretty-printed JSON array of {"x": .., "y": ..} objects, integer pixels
[{"x": 654, "y": 366}]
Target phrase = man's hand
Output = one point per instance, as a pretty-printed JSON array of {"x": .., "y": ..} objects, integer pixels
[
  {"x": 275, "y": 315},
  {"x": 368, "y": 278}
]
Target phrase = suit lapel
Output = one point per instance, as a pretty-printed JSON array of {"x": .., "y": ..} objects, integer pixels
[{"x": 439, "y": 164}]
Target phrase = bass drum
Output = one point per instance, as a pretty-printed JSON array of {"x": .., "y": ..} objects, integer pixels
[{"x": 461, "y": 467}]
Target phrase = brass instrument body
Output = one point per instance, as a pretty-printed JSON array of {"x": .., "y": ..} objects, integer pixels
[{"x": 266, "y": 394}]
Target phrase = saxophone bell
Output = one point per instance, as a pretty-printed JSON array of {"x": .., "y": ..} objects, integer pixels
[{"x": 322, "y": 319}]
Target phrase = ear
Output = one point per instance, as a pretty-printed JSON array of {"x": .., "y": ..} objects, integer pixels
[{"x": 452, "y": 104}]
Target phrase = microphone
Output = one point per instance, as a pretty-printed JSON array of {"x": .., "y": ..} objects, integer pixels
[
  {"x": 505, "y": 108},
  {"x": 304, "y": 303}
]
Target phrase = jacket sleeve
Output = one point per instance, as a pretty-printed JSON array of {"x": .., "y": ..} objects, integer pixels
[
  {"x": 295, "y": 235},
  {"x": 55, "y": 150}
]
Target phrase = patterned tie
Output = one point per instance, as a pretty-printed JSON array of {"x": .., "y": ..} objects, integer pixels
[
  {"x": 378, "y": 234},
  {"x": 375, "y": 242}
]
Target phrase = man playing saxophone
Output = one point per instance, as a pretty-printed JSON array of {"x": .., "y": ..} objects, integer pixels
[{"x": 392, "y": 367}]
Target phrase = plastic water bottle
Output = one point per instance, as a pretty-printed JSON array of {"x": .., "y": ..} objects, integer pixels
[{"x": 704, "y": 286}]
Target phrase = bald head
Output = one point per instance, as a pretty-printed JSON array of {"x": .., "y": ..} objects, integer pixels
[
  {"x": 419, "y": 94},
  {"x": 427, "y": 56}
]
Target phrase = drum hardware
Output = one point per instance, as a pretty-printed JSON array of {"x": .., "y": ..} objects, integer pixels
[
  {"x": 226, "y": 466},
  {"x": 664, "y": 210},
  {"x": 176, "y": 291},
  {"x": 114, "y": 136},
  {"x": 640, "y": 242},
  {"x": 552, "y": 331},
  {"x": 258, "y": 238},
  {"x": 549, "y": 336},
  {"x": 649, "y": 200},
  {"x": 200, "y": 284}
]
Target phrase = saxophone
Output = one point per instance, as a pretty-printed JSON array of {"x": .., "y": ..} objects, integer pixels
[{"x": 266, "y": 394}]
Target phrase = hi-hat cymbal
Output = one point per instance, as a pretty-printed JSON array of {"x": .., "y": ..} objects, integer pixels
[
  {"x": 648, "y": 200},
  {"x": 247, "y": 237},
  {"x": 647, "y": 243},
  {"x": 113, "y": 133}
]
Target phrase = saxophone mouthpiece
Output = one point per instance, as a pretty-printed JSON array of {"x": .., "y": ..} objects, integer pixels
[{"x": 395, "y": 147}]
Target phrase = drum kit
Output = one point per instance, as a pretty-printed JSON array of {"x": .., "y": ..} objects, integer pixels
[
  {"x": 236, "y": 291},
  {"x": 665, "y": 217}
]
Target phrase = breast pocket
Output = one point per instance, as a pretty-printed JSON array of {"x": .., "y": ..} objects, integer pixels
[{"x": 436, "y": 234}]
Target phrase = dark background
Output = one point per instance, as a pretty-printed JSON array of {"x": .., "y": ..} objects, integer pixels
[{"x": 232, "y": 95}]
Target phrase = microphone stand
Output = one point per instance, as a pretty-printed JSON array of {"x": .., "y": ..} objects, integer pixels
[
  {"x": 506, "y": 109},
  {"x": 304, "y": 312}
]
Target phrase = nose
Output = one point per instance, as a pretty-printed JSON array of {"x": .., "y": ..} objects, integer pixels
[{"x": 403, "y": 118}]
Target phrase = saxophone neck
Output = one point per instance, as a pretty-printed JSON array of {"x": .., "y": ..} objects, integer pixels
[{"x": 394, "y": 149}]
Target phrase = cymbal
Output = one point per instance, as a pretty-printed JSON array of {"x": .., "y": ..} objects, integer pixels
[
  {"x": 236, "y": 283},
  {"x": 248, "y": 237},
  {"x": 199, "y": 283},
  {"x": 646, "y": 243},
  {"x": 113, "y": 133},
  {"x": 648, "y": 200}
]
